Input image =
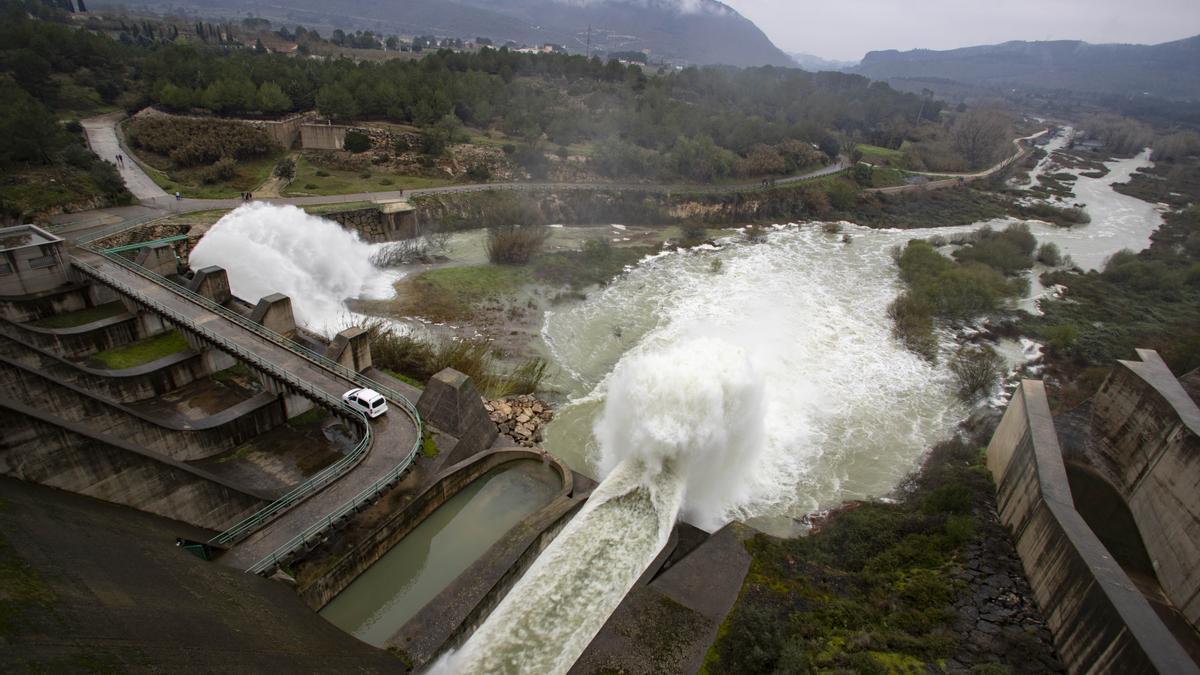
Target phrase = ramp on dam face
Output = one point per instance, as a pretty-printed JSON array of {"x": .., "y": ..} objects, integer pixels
[
  {"x": 96, "y": 586},
  {"x": 393, "y": 434}
]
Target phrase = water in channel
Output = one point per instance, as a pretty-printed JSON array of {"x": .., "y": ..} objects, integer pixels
[{"x": 379, "y": 602}]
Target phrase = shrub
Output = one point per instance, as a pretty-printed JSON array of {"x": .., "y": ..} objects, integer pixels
[
  {"x": 73, "y": 127},
  {"x": 286, "y": 168},
  {"x": 310, "y": 186},
  {"x": 479, "y": 172},
  {"x": 321, "y": 173},
  {"x": 693, "y": 234},
  {"x": 515, "y": 244},
  {"x": 193, "y": 142},
  {"x": 387, "y": 181},
  {"x": 831, "y": 228},
  {"x": 976, "y": 369},
  {"x": 221, "y": 170},
  {"x": 356, "y": 141},
  {"x": 365, "y": 175},
  {"x": 1048, "y": 255},
  {"x": 912, "y": 324}
]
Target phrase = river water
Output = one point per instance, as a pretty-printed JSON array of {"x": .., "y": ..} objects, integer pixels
[
  {"x": 381, "y": 600},
  {"x": 756, "y": 382}
]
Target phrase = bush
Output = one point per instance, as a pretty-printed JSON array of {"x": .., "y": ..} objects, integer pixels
[
  {"x": 515, "y": 244},
  {"x": 976, "y": 369},
  {"x": 286, "y": 168},
  {"x": 387, "y": 181},
  {"x": 193, "y": 142},
  {"x": 1048, "y": 255},
  {"x": 693, "y": 234},
  {"x": 321, "y": 173},
  {"x": 479, "y": 172},
  {"x": 356, "y": 141},
  {"x": 221, "y": 170},
  {"x": 912, "y": 324}
]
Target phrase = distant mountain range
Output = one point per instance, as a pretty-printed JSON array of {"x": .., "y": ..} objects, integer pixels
[
  {"x": 815, "y": 64},
  {"x": 1170, "y": 70},
  {"x": 692, "y": 31}
]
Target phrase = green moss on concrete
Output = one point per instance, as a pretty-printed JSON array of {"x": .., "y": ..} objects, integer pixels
[
  {"x": 141, "y": 352},
  {"x": 429, "y": 446}
]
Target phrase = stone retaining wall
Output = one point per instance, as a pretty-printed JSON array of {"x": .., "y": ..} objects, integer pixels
[{"x": 1100, "y": 621}]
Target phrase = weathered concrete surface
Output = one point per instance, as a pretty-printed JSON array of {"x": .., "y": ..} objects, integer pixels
[
  {"x": 351, "y": 348},
  {"x": 451, "y": 403},
  {"x": 323, "y": 136},
  {"x": 668, "y": 624},
  {"x": 159, "y": 258},
  {"x": 450, "y": 618},
  {"x": 125, "y": 385},
  {"x": 32, "y": 306},
  {"x": 213, "y": 283},
  {"x": 1146, "y": 430},
  {"x": 78, "y": 342},
  {"x": 182, "y": 441},
  {"x": 39, "y": 448},
  {"x": 102, "y": 587},
  {"x": 1100, "y": 621},
  {"x": 393, "y": 434},
  {"x": 274, "y": 312},
  {"x": 376, "y": 543}
]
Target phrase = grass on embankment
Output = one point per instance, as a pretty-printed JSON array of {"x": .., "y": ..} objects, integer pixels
[
  {"x": 249, "y": 175},
  {"x": 81, "y": 317},
  {"x": 311, "y": 179},
  {"x": 873, "y": 589},
  {"x": 451, "y": 293},
  {"x": 141, "y": 352}
]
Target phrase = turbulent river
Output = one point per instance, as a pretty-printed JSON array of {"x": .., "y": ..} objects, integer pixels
[{"x": 756, "y": 382}]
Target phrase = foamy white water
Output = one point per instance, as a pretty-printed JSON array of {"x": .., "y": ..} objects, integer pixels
[
  {"x": 847, "y": 412},
  {"x": 281, "y": 249},
  {"x": 684, "y": 421}
]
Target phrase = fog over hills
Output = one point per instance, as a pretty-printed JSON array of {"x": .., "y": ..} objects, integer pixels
[
  {"x": 1170, "y": 70},
  {"x": 695, "y": 31}
]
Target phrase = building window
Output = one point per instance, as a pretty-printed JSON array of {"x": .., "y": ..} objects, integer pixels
[{"x": 44, "y": 261}]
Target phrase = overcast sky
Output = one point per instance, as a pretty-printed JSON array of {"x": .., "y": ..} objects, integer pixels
[{"x": 847, "y": 29}]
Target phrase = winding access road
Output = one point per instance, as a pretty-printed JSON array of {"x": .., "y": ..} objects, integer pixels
[
  {"x": 393, "y": 435},
  {"x": 155, "y": 203}
]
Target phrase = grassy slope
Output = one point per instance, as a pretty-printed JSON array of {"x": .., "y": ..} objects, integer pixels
[
  {"x": 348, "y": 182},
  {"x": 141, "y": 352},
  {"x": 81, "y": 317}
]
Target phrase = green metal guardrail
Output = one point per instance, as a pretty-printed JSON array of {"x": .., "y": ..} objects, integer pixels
[
  {"x": 251, "y": 523},
  {"x": 142, "y": 244}
]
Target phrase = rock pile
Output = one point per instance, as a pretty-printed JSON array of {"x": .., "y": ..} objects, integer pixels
[
  {"x": 521, "y": 418},
  {"x": 997, "y": 620}
]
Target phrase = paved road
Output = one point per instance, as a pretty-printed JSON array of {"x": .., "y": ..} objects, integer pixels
[
  {"x": 394, "y": 433},
  {"x": 155, "y": 203},
  {"x": 102, "y": 137}
]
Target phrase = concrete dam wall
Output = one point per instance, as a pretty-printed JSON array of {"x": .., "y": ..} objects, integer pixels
[
  {"x": 1100, "y": 620},
  {"x": 1146, "y": 431}
]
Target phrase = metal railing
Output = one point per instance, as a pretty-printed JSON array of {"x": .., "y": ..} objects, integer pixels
[{"x": 326, "y": 476}]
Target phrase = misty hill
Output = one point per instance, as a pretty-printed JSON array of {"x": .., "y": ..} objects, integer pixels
[
  {"x": 815, "y": 64},
  {"x": 695, "y": 31},
  {"x": 1170, "y": 70}
]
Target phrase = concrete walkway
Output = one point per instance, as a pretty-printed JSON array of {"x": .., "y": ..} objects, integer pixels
[
  {"x": 394, "y": 433},
  {"x": 102, "y": 137}
]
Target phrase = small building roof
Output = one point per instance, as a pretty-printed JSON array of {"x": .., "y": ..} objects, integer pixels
[
  {"x": 387, "y": 206},
  {"x": 24, "y": 236}
]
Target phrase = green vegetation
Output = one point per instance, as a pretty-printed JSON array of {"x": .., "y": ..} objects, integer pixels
[
  {"x": 597, "y": 262},
  {"x": 421, "y": 360},
  {"x": 515, "y": 244},
  {"x": 450, "y": 293},
  {"x": 429, "y": 447},
  {"x": 411, "y": 381},
  {"x": 940, "y": 288},
  {"x": 873, "y": 589},
  {"x": 204, "y": 159},
  {"x": 311, "y": 417},
  {"x": 312, "y": 179},
  {"x": 81, "y": 317},
  {"x": 141, "y": 352}
]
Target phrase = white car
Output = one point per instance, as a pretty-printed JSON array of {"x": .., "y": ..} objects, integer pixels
[{"x": 367, "y": 401}]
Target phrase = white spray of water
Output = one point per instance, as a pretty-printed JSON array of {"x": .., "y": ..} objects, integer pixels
[
  {"x": 678, "y": 419},
  {"x": 281, "y": 249}
]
